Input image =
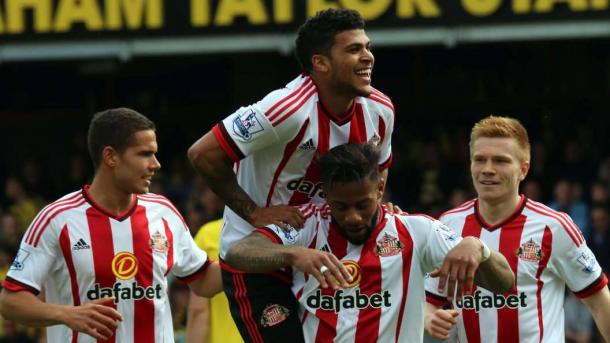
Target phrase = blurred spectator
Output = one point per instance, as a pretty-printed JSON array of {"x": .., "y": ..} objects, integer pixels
[
  {"x": 599, "y": 194},
  {"x": 458, "y": 196},
  {"x": 19, "y": 204},
  {"x": 567, "y": 199},
  {"x": 9, "y": 232},
  {"x": 599, "y": 236},
  {"x": 578, "y": 320},
  {"x": 531, "y": 189}
]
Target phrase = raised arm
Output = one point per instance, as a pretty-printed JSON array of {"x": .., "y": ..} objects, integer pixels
[
  {"x": 257, "y": 253},
  {"x": 215, "y": 166},
  {"x": 95, "y": 318}
]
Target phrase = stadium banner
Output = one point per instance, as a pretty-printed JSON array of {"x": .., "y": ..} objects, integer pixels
[{"x": 47, "y": 21}]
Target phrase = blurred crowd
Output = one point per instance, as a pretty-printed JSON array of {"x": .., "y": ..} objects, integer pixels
[{"x": 430, "y": 174}]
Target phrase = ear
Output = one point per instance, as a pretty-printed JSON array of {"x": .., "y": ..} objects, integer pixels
[
  {"x": 110, "y": 156},
  {"x": 525, "y": 168},
  {"x": 380, "y": 187},
  {"x": 320, "y": 63}
]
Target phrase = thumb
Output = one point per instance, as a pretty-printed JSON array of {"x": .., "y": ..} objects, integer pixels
[
  {"x": 454, "y": 313},
  {"x": 435, "y": 272}
]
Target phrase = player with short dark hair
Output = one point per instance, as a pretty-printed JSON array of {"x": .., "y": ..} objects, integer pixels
[
  {"x": 102, "y": 253},
  {"x": 374, "y": 261},
  {"x": 262, "y": 160}
]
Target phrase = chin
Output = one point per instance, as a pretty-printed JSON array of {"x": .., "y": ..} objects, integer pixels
[{"x": 365, "y": 91}]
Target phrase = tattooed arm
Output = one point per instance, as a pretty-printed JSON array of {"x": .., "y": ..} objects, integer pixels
[
  {"x": 211, "y": 161},
  {"x": 257, "y": 253}
]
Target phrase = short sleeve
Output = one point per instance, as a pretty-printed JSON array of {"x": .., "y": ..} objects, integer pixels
[
  {"x": 34, "y": 262},
  {"x": 441, "y": 239},
  {"x": 253, "y": 128},
  {"x": 385, "y": 147},
  {"x": 576, "y": 264},
  {"x": 189, "y": 259}
]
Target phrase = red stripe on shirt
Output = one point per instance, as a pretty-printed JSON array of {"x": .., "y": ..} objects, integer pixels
[
  {"x": 508, "y": 318},
  {"x": 593, "y": 288},
  {"x": 367, "y": 329},
  {"x": 295, "y": 108},
  {"x": 35, "y": 238},
  {"x": 65, "y": 245},
  {"x": 42, "y": 215},
  {"x": 471, "y": 317},
  {"x": 464, "y": 207},
  {"x": 382, "y": 101},
  {"x": 170, "y": 243},
  {"x": 163, "y": 201},
  {"x": 305, "y": 83},
  {"x": 299, "y": 96},
  {"x": 144, "y": 309},
  {"x": 407, "y": 255},
  {"x": 226, "y": 142},
  {"x": 102, "y": 250},
  {"x": 547, "y": 243},
  {"x": 357, "y": 129},
  {"x": 288, "y": 152}
]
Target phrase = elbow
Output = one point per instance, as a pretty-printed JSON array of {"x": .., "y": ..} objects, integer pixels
[
  {"x": 195, "y": 154},
  {"x": 5, "y": 311}
]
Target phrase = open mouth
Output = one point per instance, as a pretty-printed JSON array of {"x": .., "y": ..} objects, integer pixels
[{"x": 365, "y": 73}]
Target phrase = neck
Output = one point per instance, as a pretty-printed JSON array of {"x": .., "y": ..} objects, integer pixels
[
  {"x": 496, "y": 212},
  {"x": 108, "y": 196},
  {"x": 338, "y": 103}
]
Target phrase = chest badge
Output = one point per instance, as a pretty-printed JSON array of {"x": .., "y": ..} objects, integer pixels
[
  {"x": 158, "y": 242},
  {"x": 530, "y": 251},
  {"x": 388, "y": 246}
]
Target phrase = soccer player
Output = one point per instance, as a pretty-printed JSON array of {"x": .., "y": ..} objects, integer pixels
[
  {"x": 544, "y": 248},
  {"x": 274, "y": 144},
  {"x": 102, "y": 253},
  {"x": 379, "y": 259}
]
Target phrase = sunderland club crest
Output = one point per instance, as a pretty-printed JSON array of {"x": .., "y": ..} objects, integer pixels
[
  {"x": 530, "y": 251},
  {"x": 273, "y": 315},
  {"x": 158, "y": 242},
  {"x": 388, "y": 246}
]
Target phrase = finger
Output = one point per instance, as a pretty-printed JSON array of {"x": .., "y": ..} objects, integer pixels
[
  {"x": 104, "y": 301},
  {"x": 110, "y": 312},
  {"x": 282, "y": 224},
  {"x": 318, "y": 275},
  {"x": 470, "y": 279},
  {"x": 434, "y": 273},
  {"x": 106, "y": 317},
  {"x": 338, "y": 273},
  {"x": 451, "y": 283},
  {"x": 99, "y": 327},
  {"x": 442, "y": 276},
  {"x": 397, "y": 209},
  {"x": 443, "y": 324},
  {"x": 93, "y": 333}
]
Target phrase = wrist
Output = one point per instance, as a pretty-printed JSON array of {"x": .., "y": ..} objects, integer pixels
[{"x": 485, "y": 251}]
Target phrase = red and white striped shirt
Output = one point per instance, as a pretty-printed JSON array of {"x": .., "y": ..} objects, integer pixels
[
  {"x": 546, "y": 251},
  {"x": 385, "y": 302},
  {"x": 78, "y": 252},
  {"x": 276, "y": 142}
]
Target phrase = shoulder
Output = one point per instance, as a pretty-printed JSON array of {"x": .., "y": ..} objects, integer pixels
[
  {"x": 382, "y": 101},
  {"x": 556, "y": 221},
  {"x": 159, "y": 202},
  {"x": 288, "y": 102},
  {"x": 458, "y": 212},
  {"x": 58, "y": 211}
]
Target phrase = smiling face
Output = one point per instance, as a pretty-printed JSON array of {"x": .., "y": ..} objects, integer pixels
[
  {"x": 134, "y": 167},
  {"x": 496, "y": 169},
  {"x": 351, "y": 63},
  {"x": 353, "y": 206}
]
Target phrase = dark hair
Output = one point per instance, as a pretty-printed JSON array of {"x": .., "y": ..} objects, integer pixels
[
  {"x": 114, "y": 127},
  {"x": 350, "y": 162},
  {"x": 317, "y": 34}
]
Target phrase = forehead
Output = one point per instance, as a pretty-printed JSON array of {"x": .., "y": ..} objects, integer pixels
[
  {"x": 349, "y": 37},
  {"x": 351, "y": 191},
  {"x": 495, "y": 146},
  {"x": 144, "y": 139}
]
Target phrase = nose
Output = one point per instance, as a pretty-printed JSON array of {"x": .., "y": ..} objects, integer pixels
[
  {"x": 488, "y": 167},
  {"x": 367, "y": 56},
  {"x": 352, "y": 217},
  {"x": 156, "y": 165}
]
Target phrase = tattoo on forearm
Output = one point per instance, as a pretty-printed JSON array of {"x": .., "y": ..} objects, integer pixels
[
  {"x": 233, "y": 195},
  {"x": 263, "y": 262}
]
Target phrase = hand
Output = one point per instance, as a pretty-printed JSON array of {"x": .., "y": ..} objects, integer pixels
[
  {"x": 279, "y": 215},
  {"x": 96, "y": 318},
  {"x": 440, "y": 322},
  {"x": 460, "y": 266},
  {"x": 391, "y": 208},
  {"x": 310, "y": 261}
]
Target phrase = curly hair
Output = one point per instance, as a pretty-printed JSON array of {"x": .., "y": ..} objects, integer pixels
[
  {"x": 348, "y": 163},
  {"x": 317, "y": 34}
]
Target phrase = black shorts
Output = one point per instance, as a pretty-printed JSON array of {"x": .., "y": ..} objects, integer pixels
[{"x": 263, "y": 308}]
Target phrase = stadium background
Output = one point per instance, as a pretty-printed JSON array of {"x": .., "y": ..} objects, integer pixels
[{"x": 545, "y": 62}]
